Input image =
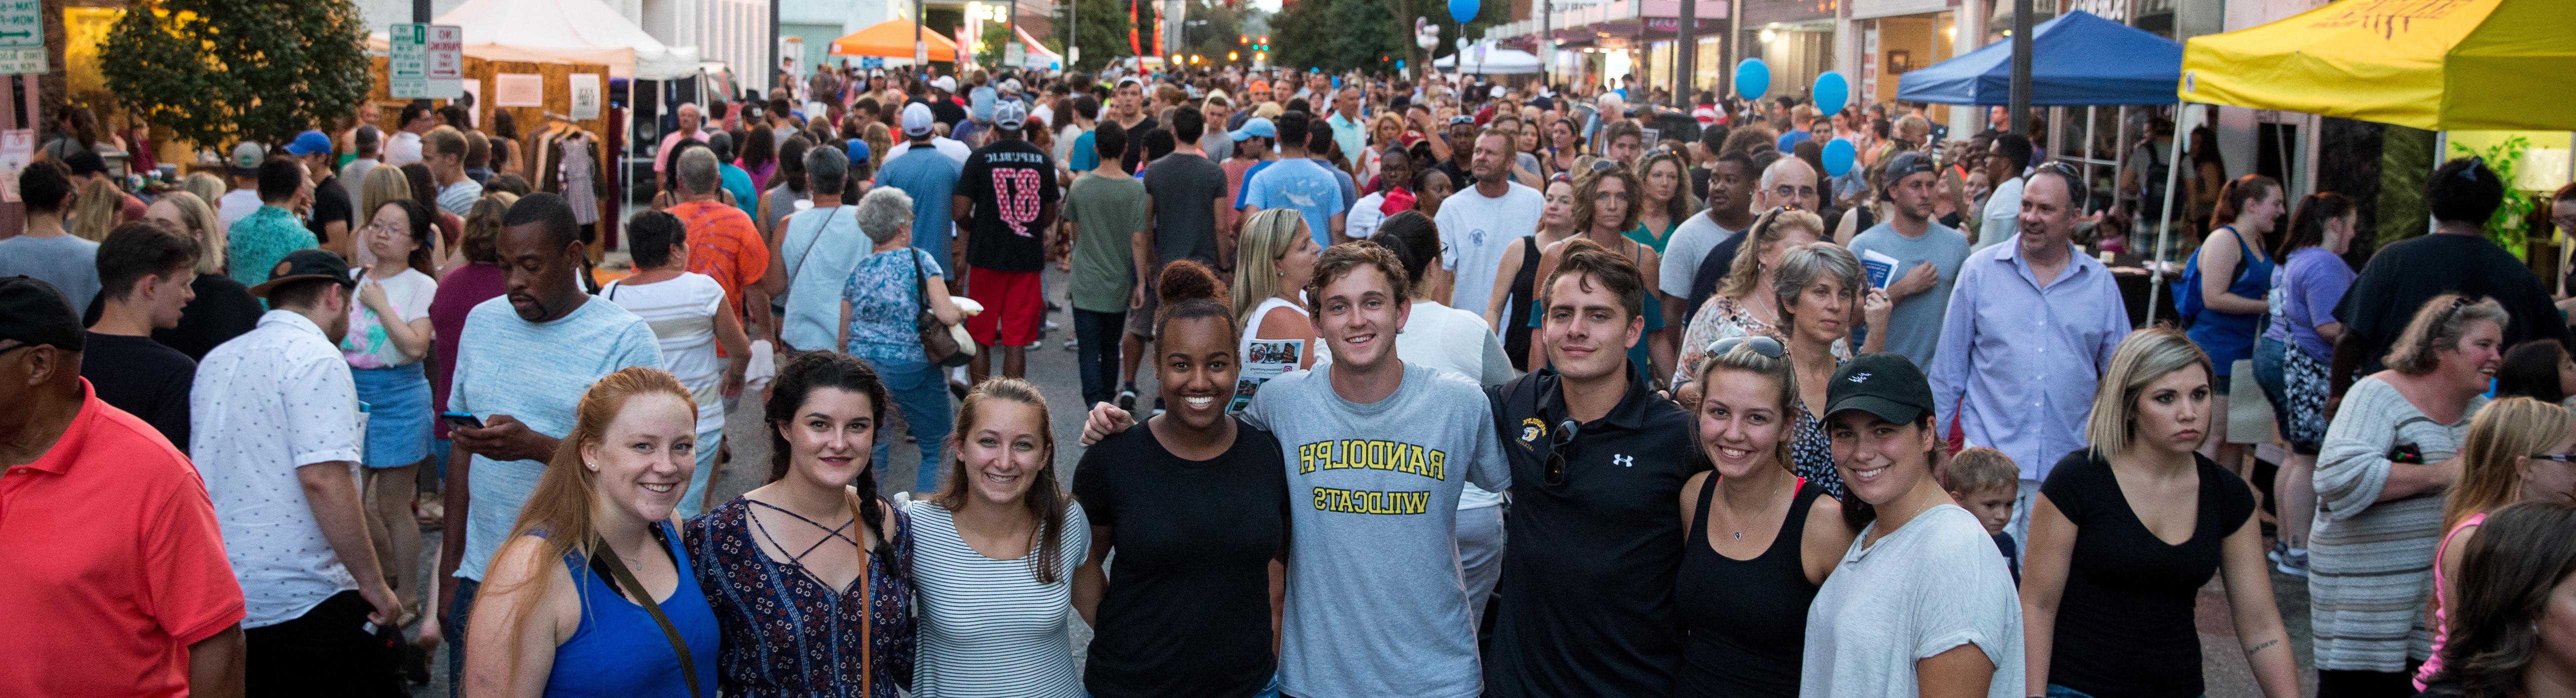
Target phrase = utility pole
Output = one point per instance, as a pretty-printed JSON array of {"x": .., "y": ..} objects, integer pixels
[
  {"x": 1685, "y": 53},
  {"x": 420, "y": 15},
  {"x": 2021, "y": 68}
]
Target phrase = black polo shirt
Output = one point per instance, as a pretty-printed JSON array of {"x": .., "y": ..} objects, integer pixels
[{"x": 1587, "y": 589}]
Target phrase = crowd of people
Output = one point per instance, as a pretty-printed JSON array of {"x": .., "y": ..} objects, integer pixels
[{"x": 1460, "y": 390}]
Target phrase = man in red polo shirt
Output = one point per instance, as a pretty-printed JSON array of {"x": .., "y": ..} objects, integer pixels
[{"x": 118, "y": 581}]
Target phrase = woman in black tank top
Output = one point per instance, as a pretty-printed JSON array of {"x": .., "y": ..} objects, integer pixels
[{"x": 1760, "y": 541}]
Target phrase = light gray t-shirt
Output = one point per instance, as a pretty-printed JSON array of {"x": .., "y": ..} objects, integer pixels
[
  {"x": 1935, "y": 584},
  {"x": 536, "y": 373},
  {"x": 66, "y": 261},
  {"x": 1914, "y": 325},
  {"x": 821, "y": 248},
  {"x": 1375, "y": 603}
]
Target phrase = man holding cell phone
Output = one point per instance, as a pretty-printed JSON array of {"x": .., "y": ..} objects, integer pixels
[
  {"x": 522, "y": 364},
  {"x": 1926, "y": 257}
]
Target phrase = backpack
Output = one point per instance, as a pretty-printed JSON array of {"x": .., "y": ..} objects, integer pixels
[{"x": 2151, "y": 195}]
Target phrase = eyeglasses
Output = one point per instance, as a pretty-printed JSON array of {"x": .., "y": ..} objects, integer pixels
[
  {"x": 14, "y": 347},
  {"x": 1555, "y": 471},
  {"x": 1761, "y": 344},
  {"x": 2560, "y": 457}
]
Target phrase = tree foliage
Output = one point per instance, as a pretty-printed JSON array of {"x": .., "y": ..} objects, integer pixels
[
  {"x": 217, "y": 71},
  {"x": 1100, "y": 28},
  {"x": 1368, "y": 35}
]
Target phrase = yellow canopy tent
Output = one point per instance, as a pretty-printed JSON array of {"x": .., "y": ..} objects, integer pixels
[
  {"x": 2428, "y": 64},
  {"x": 893, "y": 39}
]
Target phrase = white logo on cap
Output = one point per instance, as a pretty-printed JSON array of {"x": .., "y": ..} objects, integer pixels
[{"x": 1862, "y": 377}]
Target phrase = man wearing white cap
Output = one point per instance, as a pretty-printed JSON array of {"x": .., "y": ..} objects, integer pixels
[
  {"x": 928, "y": 175},
  {"x": 943, "y": 102},
  {"x": 1006, "y": 199},
  {"x": 955, "y": 149}
]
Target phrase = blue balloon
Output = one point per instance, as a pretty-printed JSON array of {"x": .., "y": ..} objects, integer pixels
[
  {"x": 1838, "y": 157},
  {"x": 1399, "y": 65},
  {"x": 1752, "y": 78},
  {"x": 1462, "y": 10},
  {"x": 1832, "y": 93}
]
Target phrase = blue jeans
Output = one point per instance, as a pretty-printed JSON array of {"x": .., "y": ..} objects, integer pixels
[
  {"x": 457, "y": 610},
  {"x": 1096, "y": 359},
  {"x": 921, "y": 391}
]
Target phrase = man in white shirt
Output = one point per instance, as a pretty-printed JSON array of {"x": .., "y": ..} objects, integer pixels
[
  {"x": 1395, "y": 173},
  {"x": 276, "y": 433},
  {"x": 1479, "y": 224},
  {"x": 404, "y": 147},
  {"x": 2005, "y": 163},
  {"x": 1730, "y": 210},
  {"x": 243, "y": 200}
]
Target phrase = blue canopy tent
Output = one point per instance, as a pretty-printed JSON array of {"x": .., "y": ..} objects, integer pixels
[{"x": 2077, "y": 60}]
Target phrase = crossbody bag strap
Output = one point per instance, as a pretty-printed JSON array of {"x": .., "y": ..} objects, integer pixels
[
  {"x": 644, "y": 598},
  {"x": 920, "y": 280},
  {"x": 819, "y": 229},
  {"x": 867, "y": 603}
]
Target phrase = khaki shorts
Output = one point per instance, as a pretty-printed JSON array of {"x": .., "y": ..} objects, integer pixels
[{"x": 1140, "y": 321}]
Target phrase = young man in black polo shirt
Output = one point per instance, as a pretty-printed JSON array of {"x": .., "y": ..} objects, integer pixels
[{"x": 1598, "y": 462}]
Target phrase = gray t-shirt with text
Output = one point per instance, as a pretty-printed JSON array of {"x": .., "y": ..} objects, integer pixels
[{"x": 1375, "y": 604}]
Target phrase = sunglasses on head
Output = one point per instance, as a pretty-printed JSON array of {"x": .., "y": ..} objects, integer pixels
[{"x": 1760, "y": 344}]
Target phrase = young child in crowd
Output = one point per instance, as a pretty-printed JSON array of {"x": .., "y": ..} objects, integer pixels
[{"x": 1984, "y": 481}]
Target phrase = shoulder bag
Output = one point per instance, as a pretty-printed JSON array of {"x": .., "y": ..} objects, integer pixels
[{"x": 938, "y": 344}]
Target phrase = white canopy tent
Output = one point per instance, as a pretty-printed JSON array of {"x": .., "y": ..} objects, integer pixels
[
  {"x": 563, "y": 30},
  {"x": 1487, "y": 59}
]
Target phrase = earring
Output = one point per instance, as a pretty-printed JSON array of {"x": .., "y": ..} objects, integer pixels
[{"x": 594, "y": 467}]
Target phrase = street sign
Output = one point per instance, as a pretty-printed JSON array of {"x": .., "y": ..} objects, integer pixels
[
  {"x": 920, "y": 52},
  {"x": 22, "y": 37},
  {"x": 422, "y": 61},
  {"x": 1013, "y": 52}
]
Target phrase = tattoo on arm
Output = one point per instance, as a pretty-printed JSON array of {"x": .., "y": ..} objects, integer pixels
[{"x": 2267, "y": 644}]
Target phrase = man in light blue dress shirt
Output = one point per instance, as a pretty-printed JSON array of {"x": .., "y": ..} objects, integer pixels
[{"x": 2031, "y": 325}]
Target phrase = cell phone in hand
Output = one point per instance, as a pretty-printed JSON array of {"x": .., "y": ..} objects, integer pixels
[{"x": 461, "y": 420}]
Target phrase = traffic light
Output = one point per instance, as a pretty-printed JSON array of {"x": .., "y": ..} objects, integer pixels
[{"x": 1243, "y": 38}]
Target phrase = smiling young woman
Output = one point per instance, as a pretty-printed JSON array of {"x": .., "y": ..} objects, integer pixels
[
  {"x": 996, "y": 553},
  {"x": 1191, "y": 502}
]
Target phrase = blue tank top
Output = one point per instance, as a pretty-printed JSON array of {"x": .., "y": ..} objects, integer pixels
[
  {"x": 620, "y": 652},
  {"x": 2230, "y": 336}
]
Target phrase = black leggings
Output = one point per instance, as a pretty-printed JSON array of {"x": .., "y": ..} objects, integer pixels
[{"x": 2367, "y": 684}]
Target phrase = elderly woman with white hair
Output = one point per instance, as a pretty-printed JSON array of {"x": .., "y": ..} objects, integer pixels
[{"x": 880, "y": 306}]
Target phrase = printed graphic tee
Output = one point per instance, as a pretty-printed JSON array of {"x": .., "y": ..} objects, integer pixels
[{"x": 1010, "y": 182}]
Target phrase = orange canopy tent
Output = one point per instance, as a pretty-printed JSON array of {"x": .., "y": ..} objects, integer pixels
[{"x": 893, "y": 39}]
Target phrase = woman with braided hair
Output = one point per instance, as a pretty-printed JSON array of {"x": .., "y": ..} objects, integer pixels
[{"x": 811, "y": 577}]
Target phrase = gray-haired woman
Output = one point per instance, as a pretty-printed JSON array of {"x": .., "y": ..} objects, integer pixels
[
  {"x": 2388, "y": 457},
  {"x": 1816, "y": 285},
  {"x": 879, "y": 305}
]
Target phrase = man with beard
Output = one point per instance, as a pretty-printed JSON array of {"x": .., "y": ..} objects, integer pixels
[{"x": 524, "y": 362}]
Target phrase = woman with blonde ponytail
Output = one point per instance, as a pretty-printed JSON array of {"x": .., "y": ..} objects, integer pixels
[
  {"x": 594, "y": 594},
  {"x": 1273, "y": 261},
  {"x": 811, "y": 577}
]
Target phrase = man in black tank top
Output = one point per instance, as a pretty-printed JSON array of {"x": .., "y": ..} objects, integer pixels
[{"x": 1585, "y": 606}]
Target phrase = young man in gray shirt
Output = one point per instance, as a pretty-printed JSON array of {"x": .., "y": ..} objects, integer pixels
[
  {"x": 1927, "y": 258},
  {"x": 1377, "y": 451}
]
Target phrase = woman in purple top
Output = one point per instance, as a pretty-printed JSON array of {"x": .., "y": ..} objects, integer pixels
[
  {"x": 811, "y": 578},
  {"x": 2291, "y": 357}
]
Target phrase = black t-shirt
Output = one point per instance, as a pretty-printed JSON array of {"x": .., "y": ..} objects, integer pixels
[
  {"x": 1460, "y": 178},
  {"x": 1187, "y": 611},
  {"x": 2125, "y": 622},
  {"x": 1011, "y": 182},
  {"x": 331, "y": 203},
  {"x": 1184, "y": 187},
  {"x": 2403, "y": 276},
  {"x": 1699, "y": 183},
  {"x": 144, "y": 378},
  {"x": 1587, "y": 605},
  {"x": 1712, "y": 272},
  {"x": 222, "y": 310},
  {"x": 1135, "y": 152},
  {"x": 947, "y": 111}
]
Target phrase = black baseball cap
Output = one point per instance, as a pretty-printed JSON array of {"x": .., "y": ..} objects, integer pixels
[
  {"x": 306, "y": 264},
  {"x": 1884, "y": 384},
  {"x": 34, "y": 312},
  {"x": 1905, "y": 164}
]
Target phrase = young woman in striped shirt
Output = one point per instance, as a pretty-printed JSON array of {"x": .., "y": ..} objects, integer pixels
[{"x": 994, "y": 555}]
